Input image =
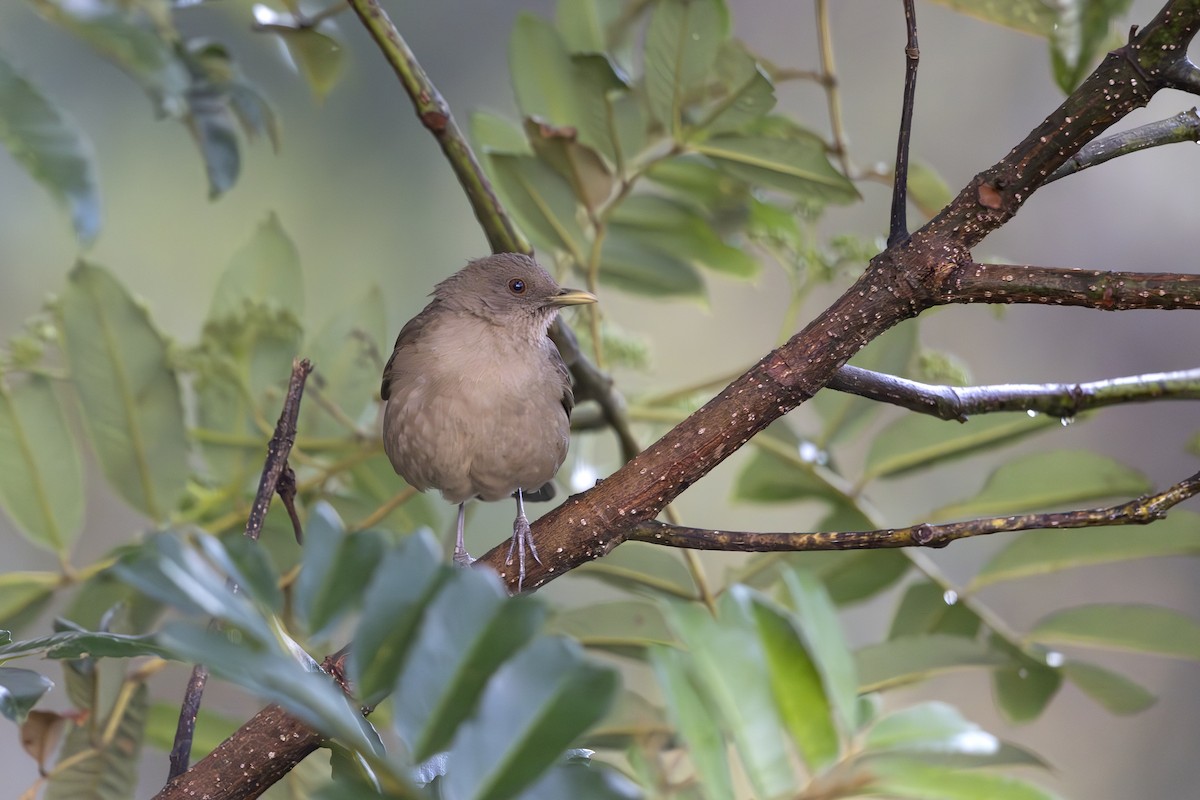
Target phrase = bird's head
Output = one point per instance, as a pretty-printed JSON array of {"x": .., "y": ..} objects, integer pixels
[{"x": 507, "y": 287}]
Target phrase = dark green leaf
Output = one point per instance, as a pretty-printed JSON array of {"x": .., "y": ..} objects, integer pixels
[
  {"x": 1025, "y": 687},
  {"x": 82, "y": 644},
  {"x": 111, "y": 772},
  {"x": 466, "y": 632},
  {"x": 629, "y": 264},
  {"x": 336, "y": 569},
  {"x": 643, "y": 567},
  {"x": 682, "y": 42},
  {"x": 20, "y": 689},
  {"x": 915, "y": 658},
  {"x": 797, "y": 164},
  {"x": 927, "y": 608},
  {"x": 916, "y": 441},
  {"x": 1080, "y": 32},
  {"x": 542, "y": 202},
  {"x": 818, "y": 622},
  {"x": 798, "y": 687},
  {"x": 531, "y": 710},
  {"x": 693, "y": 716},
  {"x": 1044, "y": 552},
  {"x": 393, "y": 605},
  {"x": 583, "y": 780},
  {"x": 49, "y": 146},
  {"x": 674, "y": 227},
  {"x": 1136, "y": 628},
  {"x": 128, "y": 390},
  {"x": 1048, "y": 480},
  {"x": 1115, "y": 692},
  {"x": 41, "y": 477},
  {"x": 624, "y": 627},
  {"x": 213, "y": 127}
]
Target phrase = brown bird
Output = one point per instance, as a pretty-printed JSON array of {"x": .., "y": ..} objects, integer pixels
[{"x": 477, "y": 398}]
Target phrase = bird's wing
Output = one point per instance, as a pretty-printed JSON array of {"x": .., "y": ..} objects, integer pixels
[
  {"x": 409, "y": 334},
  {"x": 568, "y": 396}
]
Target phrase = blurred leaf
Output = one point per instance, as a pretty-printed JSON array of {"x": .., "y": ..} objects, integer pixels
[
  {"x": 844, "y": 413},
  {"x": 749, "y": 93},
  {"x": 346, "y": 373},
  {"x": 665, "y": 224},
  {"x": 541, "y": 200},
  {"x": 730, "y": 669},
  {"x": 128, "y": 390},
  {"x": 1024, "y": 688},
  {"x": 211, "y": 729},
  {"x": 582, "y": 166},
  {"x": 112, "y": 771},
  {"x": 643, "y": 567},
  {"x": 632, "y": 719},
  {"x": 912, "y": 779},
  {"x": 932, "y": 727},
  {"x": 372, "y": 483},
  {"x": 798, "y": 687},
  {"x": 41, "y": 733},
  {"x": 1136, "y": 628},
  {"x": 1079, "y": 35},
  {"x": 255, "y": 114},
  {"x": 916, "y": 441},
  {"x": 584, "y": 24},
  {"x": 495, "y": 134},
  {"x": 629, "y": 264},
  {"x": 20, "y": 689},
  {"x": 926, "y": 189},
  {"x": 582, "y": 780},
  {"x": 797, "y": 164},
  {"x": 1045, "y": 552},
  {"x": 693, "y": 716},
  {"x": 530, "y": 711},
  {"x": 319, "y": 58},
  {"x": 768, "y": 478},
  {"x": 466, "y": 632},
  {"x": 265, "y": 271},
  {"x": 915, "y": 658},
  {"x": 1036, "y": 17},
  {"x": 819, "y": 626},
  {"x": 1115, "y": 692},
  {"x": 623, "y": 627},
  {"x": 682, "y": 41},
  {"x": 395, "y": 600},
  {"x": 1048, "y": 480},
  {"x": 23, "y": 594},
  {"x": 78, "y": 644},
  {"x": 337, "y": 567},
  {"x": 126, "y": 34},
  {"x": 41, "y": 477},
  {"x": 212, "y": 125},
  {"x": 52, "y": 150},
  {"x": 924, "y": 609}
]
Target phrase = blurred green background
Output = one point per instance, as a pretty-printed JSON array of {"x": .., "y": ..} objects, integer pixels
[{"x": 363, "y": 191}]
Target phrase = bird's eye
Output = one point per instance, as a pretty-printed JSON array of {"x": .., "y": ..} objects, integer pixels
[{"x": 516, "y": 286}]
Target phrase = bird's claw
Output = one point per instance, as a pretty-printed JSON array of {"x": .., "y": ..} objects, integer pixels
[
  {"x": 521, "y": 539},
  {"x": 462, "y": 558}
]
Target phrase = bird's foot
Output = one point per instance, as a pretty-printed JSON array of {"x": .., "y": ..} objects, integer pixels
[
  {"x": 462, "y": 557},
  {"x": 522, "y": 538}
]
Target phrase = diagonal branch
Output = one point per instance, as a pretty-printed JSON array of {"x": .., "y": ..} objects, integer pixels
[
  {"x": 1063, "y": 400},
  {"x": 1142, "y": 511}
]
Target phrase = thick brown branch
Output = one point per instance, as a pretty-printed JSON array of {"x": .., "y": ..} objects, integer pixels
[
  {"x": 1108, "y": 291},
  {"x": 1141, "y": 511},
  {"x": 1055, "y": 399}
]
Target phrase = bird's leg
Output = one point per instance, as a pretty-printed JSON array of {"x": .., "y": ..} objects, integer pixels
[
  {"x": 461, "y": 556},
  {"x": 522, "y": 537}
]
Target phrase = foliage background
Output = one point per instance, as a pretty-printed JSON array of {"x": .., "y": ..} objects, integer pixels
[{"x": 364, "y": 193}]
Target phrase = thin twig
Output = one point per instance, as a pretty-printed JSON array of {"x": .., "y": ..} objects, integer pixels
[
  {"x": 1183, "y": 127},
  {"x": 898, "y": 220}
]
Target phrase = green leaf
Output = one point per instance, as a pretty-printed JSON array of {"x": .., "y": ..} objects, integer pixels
[
  {"x": 911, "y": 779},
  {"x": 1024, "y": 688},
  {"x": 798, "y": 687},
  {"x": 819, "y": 625},
  {"x": 796, "y": 164},
  {"x": 110, "y": 773},
  {"x": 319, "y": 58},
  {"x": 52, "y": 150},
  {"x": 932, "y": 727},
  {"x": 915, "y": 658},
  {"x": 623, "y": 627},
  {"x": 41, "y": 477},
  {"x": 264, "y": 272},
  {"x": 405, "y": 582},
  {"x": 749, "y": 93},
  {"x": 730, "y": 670},
  {"x": 1036, "y": 17},
  {"x": 643, "y": 567},
  {"x": 337, "y": 567},
  {"x": 584, "y": 24},
  {"x": 580, "y": 165},
  {"x": 23, "y": 594},
  {"x": 583, "y": 780},
  {"x": 629, "y": 264},
  {"x": 916, "y": 441},
  {"x": 128, "y": 390},
  {"x": 542, "y": 202},
  {"x": 632, "y": 719},
  {"x": 542, "y": 72},
  {"x": 1115, "y": 692},
  {"x": 531, "y": 710},
  {"x": 1048, "y": 480},
  {"x": 926, "y": 608},
  {"x": 693, "y": 716},
  {"x": 346, "y": 371},
  {"x": 1082, "y": 30},
  {"x": 926, "y": 189},
  {"x": 211, "y": 729},
  {"x": 495, "y": 134},
  {"x": 676, "y": 228},
  {"x": 682, "y": 42},
  {"x": 1135, "y": 628},
  {"x": 844, "y": 413},
  {"x": 78, "y": 644},
  {"x": 466, "y": 632},
  {"x": 20, "y": 689},
  {"x": 1045, "y": 552},
  {"x": 213, "y": 127}
]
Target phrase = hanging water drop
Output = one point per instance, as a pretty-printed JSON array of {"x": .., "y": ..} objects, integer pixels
[{"x": 949, "y": 597}]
